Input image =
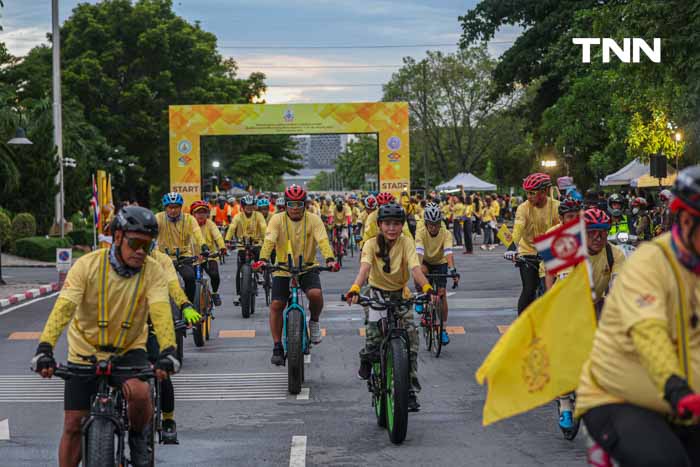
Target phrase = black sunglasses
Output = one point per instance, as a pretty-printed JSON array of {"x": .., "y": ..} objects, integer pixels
[{"x": 139, "y": 244}]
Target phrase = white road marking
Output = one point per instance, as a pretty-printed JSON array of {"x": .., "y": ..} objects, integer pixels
[
  {"x": 449, "y": 294},
  {"x": 5, "y": 430},
  {"x": 307, "y": 358},
  {"x": 297, "y": 455},
  {"x": 29, "y": 302},
  {"x": 303, "y": 395}
]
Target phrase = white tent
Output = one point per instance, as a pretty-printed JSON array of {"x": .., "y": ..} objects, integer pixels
[
  {"x": 625, "y": 175},
  {"x": 469, "y": 181}
]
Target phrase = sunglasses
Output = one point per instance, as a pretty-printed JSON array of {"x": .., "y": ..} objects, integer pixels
[
  {"x": 598, "y": 233},
  {"x": 295, "y": 204},
  {"x": 139, "y": 244},
  {"x": 534, "y": 193}
]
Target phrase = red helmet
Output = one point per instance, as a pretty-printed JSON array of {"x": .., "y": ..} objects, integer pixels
[
  {"x": 199, "y": 205},
  {"x": 294, "y": 193},
  {"x": 537, "y": 181},
  {"x": 569, "y": 205},
  {"x": 385, "y": 198},
  {"x": 371, "y": 202},
  {"x": 638, "y": 202},
  {"x": 596, "y": 219}
]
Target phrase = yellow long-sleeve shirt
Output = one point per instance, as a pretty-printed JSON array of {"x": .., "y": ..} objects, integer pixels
[
  {"x": 371, "y": 229},
  {"x": 212, "y": 236},
  {"x": 531, "y": 222},
  {"x": 252, "y": 226},
  {"x": 182, "y": 235},
  {"x": 174, "y": 289}
]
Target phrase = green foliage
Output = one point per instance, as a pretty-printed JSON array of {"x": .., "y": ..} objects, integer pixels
[
  {"x": 654, "y": 136},
  {"x": 79, "y": 221},
  {"x": 41, "y": 248},
  {"x": 321, "y": 182},
  {"x": 81, "y": 237},
  {"x": 23, "y": 225},
  {"x": 359, "y": 158},
  {"x": 5, "y": 230}
]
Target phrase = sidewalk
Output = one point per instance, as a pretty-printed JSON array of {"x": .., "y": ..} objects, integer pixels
[
  {"x": 9, "y": 261},
  {"x": 24, "y": 281}
]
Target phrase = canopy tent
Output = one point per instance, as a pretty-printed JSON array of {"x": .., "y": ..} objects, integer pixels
[
  {"x": 625, "y": 175},
  {"x": 647, "y": 181},
  {"x": 468, "y": 181}
]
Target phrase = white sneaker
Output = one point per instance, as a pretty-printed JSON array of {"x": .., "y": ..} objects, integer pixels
[
  {"x": 483, "y": 247},
  {"x": 315, "y": 331},
  {"x": 492, "y": 247}
]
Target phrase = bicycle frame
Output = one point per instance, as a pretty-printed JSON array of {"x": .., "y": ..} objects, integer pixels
[{"x": 294, "y": 305}]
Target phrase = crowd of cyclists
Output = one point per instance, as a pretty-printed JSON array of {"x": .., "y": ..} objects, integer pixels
[{"x": 116, "y": 301}]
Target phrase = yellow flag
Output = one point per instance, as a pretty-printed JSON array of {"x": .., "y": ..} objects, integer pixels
[
  {"x": 541, "y": 354},
  {"x": 505, "y": 236}
]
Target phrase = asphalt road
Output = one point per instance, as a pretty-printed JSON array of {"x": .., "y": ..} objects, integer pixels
[{"x": 232, "y": 407}]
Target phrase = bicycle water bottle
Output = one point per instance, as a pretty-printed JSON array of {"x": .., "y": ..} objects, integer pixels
[{"x": 419, "y": 308}]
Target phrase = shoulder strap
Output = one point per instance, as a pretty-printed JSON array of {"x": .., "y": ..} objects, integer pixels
[
  {"x": 126, "y": 324},
  {"x": 609, "y": 254},
  {"x": 102, "y": 302}
]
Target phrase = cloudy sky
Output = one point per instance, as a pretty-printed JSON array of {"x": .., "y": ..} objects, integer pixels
[{"x": 290, "y": 41}]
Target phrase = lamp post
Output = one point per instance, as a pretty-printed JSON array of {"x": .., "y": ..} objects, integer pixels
[
  {"x": 678, "y": 137},
  {"x": 57, "y": 114}
]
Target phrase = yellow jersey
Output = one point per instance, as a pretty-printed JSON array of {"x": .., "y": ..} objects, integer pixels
[
  {"x": 170, "y": 274},
  {"x": 212, "y": 236},
  {"x": 340, "y": 218},
  {"x": 434, "y": 249},
  {"x": 402, "y": 258},
  {"x": 244, "y": 226},
  {"x": 183, "y": 235},
  {"x": 371, "y": 229},
  {"x": 531, "y": 222}
]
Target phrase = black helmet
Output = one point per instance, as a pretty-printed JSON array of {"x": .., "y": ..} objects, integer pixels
[
  {"x": 686, "y": 191},
  {"x": 391, "y": 211},
  {"x": 615, "y": 198},
  {"x": 135, "y": 219}
]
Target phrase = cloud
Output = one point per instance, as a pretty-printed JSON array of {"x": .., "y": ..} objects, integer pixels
[{"x": 22, "y": 40}]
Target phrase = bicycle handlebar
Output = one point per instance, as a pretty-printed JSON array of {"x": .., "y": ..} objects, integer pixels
[
  {"x": 87, "y": 371},
  {"x": 381, "y": 304},
  {"x": 454, "y": 276}
]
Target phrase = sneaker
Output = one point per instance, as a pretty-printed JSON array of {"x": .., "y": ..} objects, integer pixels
[
  {"x": 169, "y": 432},
  {"x": 483, "y": 247},
  {"x": 492, "y": 247},
  {"x": 278, "y": 355},
  {"x": 138, "y": 446},
  {"x": 365, "y": 369},
  {"x": 315, "y": 331},
  {"x": 413, "y": 405},
  {"x": 566, "y": 420},
  {"x": 445, "y": 338},
  {"x": 468, "y": 253},
  {"x": 217, "y": 300}
]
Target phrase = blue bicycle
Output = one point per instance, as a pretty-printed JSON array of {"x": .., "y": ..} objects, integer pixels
[{"x": 295, "y": 332}]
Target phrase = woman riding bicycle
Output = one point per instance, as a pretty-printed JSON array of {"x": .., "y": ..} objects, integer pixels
[
  {"x": 389, "y": 260},
  {"x": 215, "y": 242}
]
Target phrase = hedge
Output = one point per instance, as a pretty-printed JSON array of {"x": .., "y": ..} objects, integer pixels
[
  {"x": 23, "y": 226},
  {"x": 81, "y": 237},
  {"x": 41, "y": 248},
  {"x": 5, "y": 230}
]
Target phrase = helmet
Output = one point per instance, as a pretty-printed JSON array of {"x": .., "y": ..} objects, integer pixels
[
  {"x": 221, "y": 199},
  {"x": 263, "y": 203},
  {"x": 199, "y": 205},
  {"x": 312, "y": 197},
  {"x": 135, "y": 219},
  {"x": 173, "y": 198},
  {"x": 353, "y": 196},
  {"x": 391, "y": 211},
  {"x": 295, "y": 193},
  {"x": 537, "y": 181},
  {"x": 596, "y": 219},
  {"x": 639, "y": 202},
  {"x": 247, "y": 200},
  {"x": 232, "y": 199},
  {"x": 665, "y": 195},
  {"x": 432, "y": 213},
  {"x": 339, "y": 201},
  {"x": 279, "y": 202},
  {"x": 328, "y": 198},
  {"x": 614, "y": 198},
  {"x": 569, "y": 205},
  {"x": 384, "y": 198},
  {"x": 371, "y": 202}
]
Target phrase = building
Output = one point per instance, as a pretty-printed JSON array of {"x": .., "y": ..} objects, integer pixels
[
  {"x": 324, "y": 150},
  {"x": 303, "y": 177}
]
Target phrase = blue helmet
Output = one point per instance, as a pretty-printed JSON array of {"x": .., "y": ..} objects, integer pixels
[
  {"x": 173, "y": 198},
  {"x": 263, "y": 203}
]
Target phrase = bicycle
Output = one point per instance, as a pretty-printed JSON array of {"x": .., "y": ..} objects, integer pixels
[
  {"x": 103, "y": 432},
  {"x": 201, "y": 331},
  {"x": 519, "y": 261},
  {"x": 353, "y": 239},
  {"x": 389, "y": 381},
  {"x": 247, "y": 280},
  {"x": 295, "y": 332},
  {"x": 338, "y": 244},
  {"x": 434, "y": 326}
]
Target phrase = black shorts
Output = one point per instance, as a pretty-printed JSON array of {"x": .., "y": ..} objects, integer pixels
[
  {"x": 78, "y": 392},
  {"x": 441, "y": 282},
  {"x": 280, "y": 285}
]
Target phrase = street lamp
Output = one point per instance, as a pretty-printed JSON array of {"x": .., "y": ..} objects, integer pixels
[
  {"x": 57, "y": 114},
  {"x": 548, "y": 164},
  {"x": 678, "y": 137},
  {"x": 216, "y": 164}
]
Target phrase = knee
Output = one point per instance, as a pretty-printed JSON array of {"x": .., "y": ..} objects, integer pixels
[
  {"x": 72, "y": 422},
  {"x": 315, "y": 296},
  {"x": 276, "y": 306},
  {"x": 136, "y": 391}
]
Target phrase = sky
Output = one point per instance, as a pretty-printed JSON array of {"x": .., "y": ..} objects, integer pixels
[{"x": 292, "y": 31}]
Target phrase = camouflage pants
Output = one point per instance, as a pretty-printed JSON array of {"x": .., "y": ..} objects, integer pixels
[{"x": 373, "y": 340}]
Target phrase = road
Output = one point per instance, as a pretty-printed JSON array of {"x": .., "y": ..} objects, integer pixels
[{"x": 232, "y": 407}]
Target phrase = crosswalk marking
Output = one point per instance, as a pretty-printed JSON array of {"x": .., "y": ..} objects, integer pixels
[
  {"x": 225, "y": 333},
  {"x": 362, "y": 332},
  {"x": 5, "y": 430},
  {"x": 24, "y": 336},
  {"x": 189, "y": 387},
  {"x": 454, "y": 329},
  {"x": 502, "y": 328}
]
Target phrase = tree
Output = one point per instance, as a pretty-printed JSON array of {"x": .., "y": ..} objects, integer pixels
[
  {"x": 358, "y": 160},
  {"x": 321, "y": 182}
]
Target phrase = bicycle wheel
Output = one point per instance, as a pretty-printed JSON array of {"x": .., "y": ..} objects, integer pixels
[
  {"x": 396, "y": 388},
  {"x": 378, "y": 395},
  {"x": 200, "y": 304},
  {"x": 207, "y": 327},
  {"x": 267, "y": 287},
  {"x": 102, "y": 440},
  {"x": 438, "y": 327},
  {"x": 428, "y": 328},
  {"x": 295, "y": 353},
  {"x": 246, "y": 289},
  {"x": 179, "y": 335}
]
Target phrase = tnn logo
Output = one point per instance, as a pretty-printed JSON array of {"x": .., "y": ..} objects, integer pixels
[{"x": 628, "y": 53}]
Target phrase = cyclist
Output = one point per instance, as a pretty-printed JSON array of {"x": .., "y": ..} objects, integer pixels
[
  {"x": 279, "y": 204},
  {"x": 618, "y": 220},
  {"x": 342, "y": 220},
  {"x": 533, "y": 218},
  {"x": 434, "y": 248},
  {"x": 264, "y": 208},
  {"x": 355, "y": 209},
  {"x": 247, "y": 224},
  {"x": 177, "y": 232},
  {"x": 665, "y": 218},
  {"x": 410, "y": 211},
  {"x": 235, "y": 208},
  {"x": 638, "y": 390},
  {"x": 388, "y": 260},
  {"x": 304, "y": 233},
  {"x": 215, "y": 242},
  {"x": 107, "y": 299},
  {"x": 643, "y": 225},
  {"x": 371, "y": 226},
  {"x": 221, "y": 212},
  {"x": 327, "y": 210}
]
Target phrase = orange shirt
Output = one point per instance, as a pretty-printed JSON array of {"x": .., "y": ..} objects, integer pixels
[{"x": 221, "y": 216}]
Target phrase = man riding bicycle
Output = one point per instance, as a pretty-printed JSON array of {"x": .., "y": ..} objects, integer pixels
[
  {"x": 638, "y": 389},
  {"x": 222, "y": 212},
  {"x": 342, "y": 220},
  {"x": 304, "y": 233},
  {"x": 248, "y": 224},
  {"x": 264, "y": 208},
  {"x": 434, "y": 248},
  {"x": 533, "y": 218},
  {"x": 214, "y": 241},
  {"x": 108, "y": 297},
  {"x": 177, "y": 233}
]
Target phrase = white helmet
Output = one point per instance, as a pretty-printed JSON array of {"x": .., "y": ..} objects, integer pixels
[{"x": 432, "y": 213}]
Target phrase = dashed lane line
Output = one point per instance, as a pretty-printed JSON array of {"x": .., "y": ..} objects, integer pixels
[
  {"x": 5, "y": 429},
  {"x": 297, "y": 454},
  {"x": 303, "y": 395}
]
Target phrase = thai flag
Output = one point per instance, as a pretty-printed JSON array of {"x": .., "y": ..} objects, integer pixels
[
  {"x": 563, "y": 247},
  {"x": 93, "y": 202}
]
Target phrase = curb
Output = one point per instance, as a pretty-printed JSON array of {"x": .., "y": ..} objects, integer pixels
[{"x": 29, "y": 294}]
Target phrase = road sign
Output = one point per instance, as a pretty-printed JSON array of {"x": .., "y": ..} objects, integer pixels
[{"x": 64, "y": 258}]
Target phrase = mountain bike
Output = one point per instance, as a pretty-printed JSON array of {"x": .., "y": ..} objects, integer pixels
[
  {"x": 338, "y": 244},
  {"x": 247, "y": 280},
  {"x": 522, "y": 261},
  {"x": 203, "y": 303},
  {"x": 295, "y": 332},
  {"x": 434, "y": 326},
  {"x": 104, "y": 429},
  {"x": 389, "y": 382},
  {"x": 352, "y": 239}
]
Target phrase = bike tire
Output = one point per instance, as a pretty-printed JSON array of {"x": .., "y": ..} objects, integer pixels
[
  {"x": 438, "y": 327},
  {"x": 101, "y": 439},
  {"x": 396, "y": 389},
  {"x": 267, "y": 286},
  {"x": 200, "y": 303},
  {"x": 247, "y": 290},
  {"x": 295, "y": 352},
  {"x": 180, "y": 335},
  {"x": 378, "y": 395},
  {"x": 428, "y": 329}
]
